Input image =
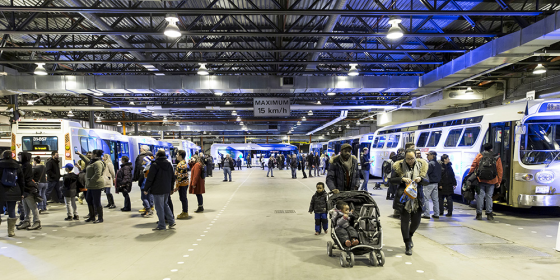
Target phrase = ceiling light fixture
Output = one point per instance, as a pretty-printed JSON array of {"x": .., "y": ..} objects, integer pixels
[
  {"x": 298, "y": 123},
  {"x": 131, "y": 103},
  {"x": 340, "y": 128},
  {"x": 353, "y": 71},
  {"x": 98, "y": 120},
  {"x": 164, "y": 119},
  {"x": 238, "y": 118},
  {"x": 119, "y": 124},
  {"x": 469, "y": 90},
  {"x": 538, "y": 70},
  {"x": 228, "y": 103},
  {"x": 70, "y": 114},
  {"x": 172, "y": 30},
  {"x": 395, "y": 31},
  {"x": 348, "y": 126},
  {"x": 310, "y": 113},
  {"x": 203, "y": 71},
  {"x": 328, "y": 133},
  {"x": 303, "y": 118},
  {"x": 218, "y": 93},
  {"x": 331, "y": 93},
  {"x": 40, "y": 70},
  {"x": 318, "y": 102},
  {"x": 30, "y": 102},
  {"x": 358, "y": 123},
  {"x": 240, "y": 123},
  {"x": 234, "y": 113}
]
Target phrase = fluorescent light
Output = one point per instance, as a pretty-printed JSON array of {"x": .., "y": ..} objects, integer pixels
[
  {"x": 395, "y": 31},
  {"x": 298, "y": 123},
  {"x": 310, "y": 113},
  {"x": 172, "y": 30},
  {"x": 203, "y": 71},
  {"x": 204, "y": 132},
  {"x": 331, "y": 93},
  {"x": 358, "y": 123},
  {"x": 318, "y": 102},
  {"x": 353, "y": 71},
  {"x": 40, "y": 70},
  {"x": 119, "y": 124},
  {"x": 538, "y": 70},
  {"x": 159, "y": 74},
  {"x": 238, "y": 119},
  {"x": 70, "y": 114},
  {"x": 218, "y": 93},
  {"x": 234, "y": 113}
]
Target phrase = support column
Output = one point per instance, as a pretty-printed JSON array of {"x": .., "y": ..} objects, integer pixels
[
  {"x": 123, "y": 124},
  {"x": 135, "y": 125},
  {"x": 245, "y": 139},
  {"x": 223, "y": 140},
  {"x": 201, "y": 144},
  {"x": 91, "y": 113},
  {"x": 267, "y": 139}
]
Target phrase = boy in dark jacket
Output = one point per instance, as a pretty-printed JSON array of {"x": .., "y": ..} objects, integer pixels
[
  {"x": 319, "y": 206},
  {"x": 69, "y": 190}
]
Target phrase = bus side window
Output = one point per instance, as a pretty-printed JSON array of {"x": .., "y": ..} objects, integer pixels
[
  {"x": 453, "y": 137},
  {"x": 470, "y": 136},
  {"x": 434, "y": 138},
  {"x": 381, "y": 142},
  {"x": 374, "y": 144},
  {"x": 422, "y": 139},
  {"x": 84, "y": 144}
]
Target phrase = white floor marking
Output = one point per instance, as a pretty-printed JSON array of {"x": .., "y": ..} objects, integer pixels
[
  {"x": 54, "y": 230},
  {"x": 195, "y": 244},
  {"x": 198, "y": 239},
  {"x": 202, "y": 235},
  {"x": 519, "y": 228},
  {"x": 166, "y": 278},
  {"x": 207, "y": 228},
  {"x": 190, "y": 250},
  {"x": 180, "y": 262},
  {"x": 205, "y": 231},
  {"x": 398, "y": 256},
  {"x": 174, "y": 270},
  {"x": 44, "y": 233},
  {"x": 508, "y": 225},
  {"x": 389, "y": 250},
  {"x": 533, "y": 231},
  {"x": 408, "y": 263},
  {"x": 549, "y": 236},
  {"x": 19, "y": 242},
  {"x": 185, "y": 256},
  {"x": 32, "y": 237},
  {"x": 420, "y": 271}
]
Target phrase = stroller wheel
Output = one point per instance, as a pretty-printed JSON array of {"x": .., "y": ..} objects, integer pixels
[
  {"x": 351, "y": 259},
  {"x": 373, "y": 259},
  {"x": 329, "y": 248},
  {"x": 381, "y": 258},
  {"x": 343, "y": 259}
]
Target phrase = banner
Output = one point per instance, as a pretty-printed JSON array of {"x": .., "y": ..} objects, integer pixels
[{"x": 271, "y": 107}]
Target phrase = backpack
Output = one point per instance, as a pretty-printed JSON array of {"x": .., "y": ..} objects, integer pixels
[
  {"x": 487, "y": 167},
  {"x": 9, "y": 177},
  {"x": 387, "y": 168},
  {"x": 203, "y": 172}
]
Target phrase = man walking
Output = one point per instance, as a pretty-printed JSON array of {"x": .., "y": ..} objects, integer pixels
[
  {"x": 52, "y": 169},
  {"x": 228, "y": 165},
  {"x": 293, "y": 166},
  {"x": 489, "y": 173},
  {"x": 431, "y": 190},
  {"x": 343, "y": 171},
  {"x": 364, "y": 161}
]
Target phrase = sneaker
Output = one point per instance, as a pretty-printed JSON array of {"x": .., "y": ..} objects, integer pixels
[
  {"x": 143, "y": 210},
  {"x": 224, "y": 181},
  {"x": 435, "y": 217},
  {"x": 317, "y": 233},
  {"x": 152, "y": 208},
  {"x": 69, "y": 218},
  {"x": 425, "y": 217},
  {"x": 172, "y": 226},
  {"x": 156, "y": 229},
  {"x": 76, "y": 218},
  {"x": 149, "y": 214}
]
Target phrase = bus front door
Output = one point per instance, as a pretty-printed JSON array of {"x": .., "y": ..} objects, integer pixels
[{"x": 502, "y": 140}]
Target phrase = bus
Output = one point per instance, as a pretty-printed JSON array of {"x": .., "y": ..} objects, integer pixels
[
  {"x": 358, "y": 143},
  {"x": 320, "y": 147},
  {"x": 526, "y": 136},
  {"x": 255, "y": 151}
]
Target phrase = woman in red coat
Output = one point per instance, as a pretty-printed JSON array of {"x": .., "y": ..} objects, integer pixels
[{"x": 196, "y": 186}]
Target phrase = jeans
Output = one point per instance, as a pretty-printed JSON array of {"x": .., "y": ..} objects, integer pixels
[
  {"x": 294, "y": 172},
  {"x": 486, "y": 192},
  {"x": 43, "y": 194},
  {"x": 107, "y": 190},
  {"x": 449, "y": 203},
  {"x": 30, "y": 206},
  {"x": 71, "y": 208},
  {"x": 323, "y": 170},
  {"x": 163, "y": 211},
  {"x": 126, "y": 200},
  {"x": 227, "y": 172},
  {"x": 317, "y": 171},
  {"x": 409, "y": 223},
  {"x": 55, "y": 186},
  {"x": 93, "y": 197},
  {"x": 147, "y": 200},
  {"x": 365, "y": 173},
  {"x": 183, "y": 198},
  {"x": 303, "y": 170},
  {"x": 11, "y": 208},
  {"x": 321, "y": 219},
  {"x": 270, "y": 170},
  {"x": 310, "y": 168},
  {"x": 431, "y": 192}
]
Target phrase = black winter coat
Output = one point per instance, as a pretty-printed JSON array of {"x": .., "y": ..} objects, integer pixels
[
  {"x": 318, "y": 203},
  {"x": 11, "y": 193},
  {"x": 293, "y": 162},
  {"x": 30, "y": 187},
  {"x": 447, "y": 179},
  {"x": 310, "y": 161},
  {"x": 124, "y": 177},
  {"x": 39, "y": 174},
  {"x": 434, "y": 171},
  {"x": 53, "y": 170},
  {"x": 138, "y": 165},
  {"x": 336, "y": 177},
  {"x": 161, "y": 177},
  {"x": 69, "y": 184}
]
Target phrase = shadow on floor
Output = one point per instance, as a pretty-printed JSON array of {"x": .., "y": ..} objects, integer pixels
[{"x": 151, "y": 236}]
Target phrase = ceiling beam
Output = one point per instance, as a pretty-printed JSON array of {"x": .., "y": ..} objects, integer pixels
[
  {"x": 181, "y": 50},
  {"x": 213, "y": 62}
]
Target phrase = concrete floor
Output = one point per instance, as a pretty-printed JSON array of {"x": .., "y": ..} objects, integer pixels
[{"x": 239, "y": 236}]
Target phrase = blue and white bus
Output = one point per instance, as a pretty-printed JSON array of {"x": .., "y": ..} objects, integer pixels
[{"x": 253, "y": 150}]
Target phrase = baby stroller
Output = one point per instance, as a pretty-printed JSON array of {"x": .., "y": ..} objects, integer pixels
[{"x": 367, "y": 224}]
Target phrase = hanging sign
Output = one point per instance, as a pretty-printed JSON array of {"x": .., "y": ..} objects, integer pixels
[
  {"x": 271, "y": 107},
  {"x": 530, "y": 95}
]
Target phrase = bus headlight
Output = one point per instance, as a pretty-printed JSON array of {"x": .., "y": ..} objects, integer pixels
[
  {"x": 545, "y": 177},
  {"x": 523, "y": 177}
]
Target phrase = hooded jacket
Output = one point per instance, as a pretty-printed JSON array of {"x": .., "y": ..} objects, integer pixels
[
  {"x": 109, "y": 173},
  {"x": 11, "y": 193},
  {"x": 161, "y": 177},
  {"x": 318, "y": 203},
  {"x": 30, "y": 186},
  {"x": 53, "y": 170},
  {"x": 396, "y": 180},
  {"x": 138, "y": 175},
  {"x": 94, "y": 174},
  {"x": 338, "y": 178},
  {"x": 124, "y": 177}
]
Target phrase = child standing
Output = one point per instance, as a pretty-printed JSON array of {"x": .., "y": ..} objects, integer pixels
[
  {"x": 345, "y": 232},
  {"x": 319, "y": 206},
  {"x": 69, "y": 190}
]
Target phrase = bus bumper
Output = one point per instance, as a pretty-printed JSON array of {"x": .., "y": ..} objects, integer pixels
[{"x": 527, "y": 200}]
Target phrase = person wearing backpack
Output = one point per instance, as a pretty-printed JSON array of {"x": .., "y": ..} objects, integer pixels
[
  {"x": 95, "y": 183},
  {"x": 489, "y": 172},
  {"x": 196, "y": 185},
  {"x": 11, "y": 187},
  {"x": 124, "y": 182}
]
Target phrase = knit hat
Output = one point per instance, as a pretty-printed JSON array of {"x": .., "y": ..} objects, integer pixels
[{"x": 345, "y": 146}]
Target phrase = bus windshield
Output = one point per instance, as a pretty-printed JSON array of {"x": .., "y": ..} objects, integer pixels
[{"x": 541, "y": 144}]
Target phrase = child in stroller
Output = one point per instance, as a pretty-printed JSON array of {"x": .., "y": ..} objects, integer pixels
[{"x": 344, "y": 221}]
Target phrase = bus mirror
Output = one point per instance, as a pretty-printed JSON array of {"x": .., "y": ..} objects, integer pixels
[{"x": 520, "y": 130}]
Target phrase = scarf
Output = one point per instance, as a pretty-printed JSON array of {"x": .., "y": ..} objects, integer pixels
[{"x": 411, "y": 205}]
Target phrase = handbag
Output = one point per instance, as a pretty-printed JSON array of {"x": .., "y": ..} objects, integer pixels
[{"x": 411, "y": 190}]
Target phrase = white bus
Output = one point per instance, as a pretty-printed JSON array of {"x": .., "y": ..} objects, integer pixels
[
  {"x": 528, "y": 145},
  {"x": 358, "y": 143},
  {"x": 178, "y": 144},
  {"x": 319, "y": 147}
]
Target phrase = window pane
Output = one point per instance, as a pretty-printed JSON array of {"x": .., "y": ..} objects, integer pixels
[
  {"x": 422, "y": 139},
  {"x": 40, "y": 143},
  {"x": 434, "y": 139},
  {"x": 453, "y": 137},
  {"x": 374, "y": 145},
  {"x": 393, "y": 141},
  {"x": 84, "y": 144},
  {"x": 381, "y": 142},
  {"x": 470, "y": 136}
]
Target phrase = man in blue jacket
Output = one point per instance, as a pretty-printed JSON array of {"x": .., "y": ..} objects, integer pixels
[{"x": 431, "y": 190}]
